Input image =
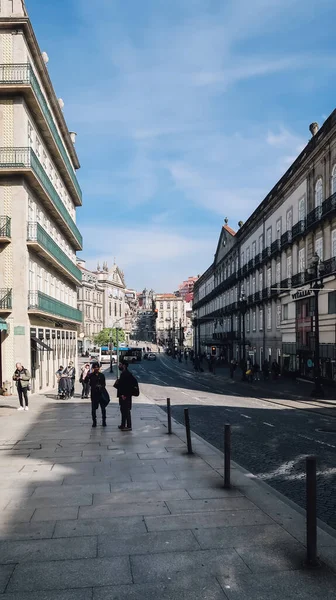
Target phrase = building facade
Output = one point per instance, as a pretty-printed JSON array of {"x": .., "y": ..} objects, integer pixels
[
  {"x": 90, "y": 301},
  {"x": 186, "y": 289},
  {"x": 259, "y": 273},
  {"x": 112, "y": 281},
  {"x": 39, "y": 194},
  {"x": 171, "y": 320},
  {"x": 131, "y": 303}
]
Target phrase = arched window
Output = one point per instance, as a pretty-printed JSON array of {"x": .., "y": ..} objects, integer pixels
[
  {"x": 333, "y": 180},
  {"x": 318, "y": 193}
]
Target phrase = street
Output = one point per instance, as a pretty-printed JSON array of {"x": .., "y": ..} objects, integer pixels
[{"x": 271, "y": 436}]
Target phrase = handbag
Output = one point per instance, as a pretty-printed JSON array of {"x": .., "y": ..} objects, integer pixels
[
  {"x": 135, "y": 388},
  {"x": 105, "y": 397}
]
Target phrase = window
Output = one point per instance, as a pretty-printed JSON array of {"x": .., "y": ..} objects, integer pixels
[
  {"x": 261, "y": 319},
  {"x": 168, "y": 305},
  {"x": 289, "y": 266},
  {"x": 302, "y": 260},
  {"x": 30, "y": 134},
  {"x": 261, "y": 243},
  {"x": 269, "y": 317},
  {"x": 302, "y": 209},
  {"x": 110, "y": 309},
  {"x": 260, "y": 280},
  {"x": 119, "y": 310},
  {"x": 332, "y": 303},
  {"x": 38, "y": 147},
  {"x": 285, "y": 312},
  {"x": 242, "y": 259},
  {"x": 269, "y": 277},
  {"x": 115, "y": 309},
  {"x": 289, "y": 219},
  {"x": 254, "y": 320},
  {"x": 44, "y": 160},
  {"x": 278, "y": 229},
  {"x": 39, "y": 279},
  {"x": 248, "y": 321},
  {"x": 269, "y": 237},
  {"x": 248, "y": 254},
  {"x": 253, "y": 284},
  {"x": 254, "y": 249},
  {"x": 333, "y": 180},
  {"x": 248, "y": 287},
  {"x": 319, "y": 247},
  {"x": 161, "y": 305},
  {"x": 278, "y": 316},
  {"x": 31, "y": 276},
  {"x": 318, "y": 193},
  {"x": 278, "y": 272},
  {"x": 333, "y": 243}
]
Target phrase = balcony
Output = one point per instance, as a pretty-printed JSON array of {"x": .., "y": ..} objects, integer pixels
[
  {"x": 5, "y": 299},
  {"x": 330, "y": 266},
  {"x": 250, "y": 265},
  {"x": 43, "y": 244},
  {"x": 5, "y": 229},
  {"x": 21, "y": 77},
  {"x": 329, "y": 205},
  {"x": 285, "y": 285},
  {"x": 314, "y": 216},
  {"x": 24, "y": 161},
  {"x": 266, "y": 253},
  {"x": 299, "y": 279},
  {"x": 298, "y": 229},
  {"x": 275, "y": 247},
  {"x": 258, "y": 259},
  {"x": 286, "y": 239},
  {"x": 41, "y": 303}
]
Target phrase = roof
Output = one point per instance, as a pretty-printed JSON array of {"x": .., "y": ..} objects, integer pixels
[{"x": 229, "y": 229}]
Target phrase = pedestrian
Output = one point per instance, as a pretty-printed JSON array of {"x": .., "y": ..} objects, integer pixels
[
  {"x": 126, "y": 386},
  {"x": 265, "y": 370},
  {"x": 233, "y": 366},
  {"x": 213, "y": 362},
  {"x": 99, "y": 395},
  {"x": 62, "y": 387},
  {"x": 70, "y": 374},
  {"x": 22, "y": 377},
  {"x": 256, "y": 372},
  {"x": 84, "y": 381}
]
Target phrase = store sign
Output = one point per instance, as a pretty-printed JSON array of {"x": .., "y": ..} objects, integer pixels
[
  {"x": 19, "y": 330},
  {"x": 302, "y": 294}
]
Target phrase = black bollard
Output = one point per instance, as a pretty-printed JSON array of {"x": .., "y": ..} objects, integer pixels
[
  {"x": 311, "y": 513},
  {"x": 227, "y": 456},
  {"x": 169, "y": 416},
  {"x": 187, "y": 426}
]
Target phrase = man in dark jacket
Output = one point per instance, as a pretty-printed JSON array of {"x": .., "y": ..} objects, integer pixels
[
  {"x": 125, "y": 385},
  {"x": 98, "y": 386},
  {"x": 21, "y": 377}
]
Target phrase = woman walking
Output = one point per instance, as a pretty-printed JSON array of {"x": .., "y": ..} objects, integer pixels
[
  {"x": 22, "y": 377},
  {"x": 99, "y": 393},
  {"x": 85, "y": 370},
  {"x": 127, "y": 386}
]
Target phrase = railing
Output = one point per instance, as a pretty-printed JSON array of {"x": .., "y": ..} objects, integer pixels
[
  {"x": 314, "y": 216},
  {"x": 329, "y": 205},
  {"x": 40, "y": 301},
  {"x": 5, "y": 299},
  {"x": 36, "y": 233},
  {"x": 251, "y": 264},
  {"x": 17, "y": 158},
  {"x": 299, "y": 279},
  {"x": 23, "y": 74},
  {"x": 330, "y": 266},
  {"x": 258, "y": 259},
  {"x": 285, "y": 284},
  {"x": 286, "y": 238},
  {"x": 298, "y": 228},
  {"x": 275, "y": 246},
  {"x": 5, "y": 227},
  {"x": 266, "y": 252}
]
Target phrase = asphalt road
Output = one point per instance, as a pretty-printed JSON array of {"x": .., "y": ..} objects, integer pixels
[{"x": 271, "y": 436}]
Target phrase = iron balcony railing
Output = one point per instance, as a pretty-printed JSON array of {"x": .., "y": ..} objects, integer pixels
[
  {"x": 23, "y": 158},
  {"x": 275, "y": 247},
  {"x": 5, "y": 227},
  {"x": 266, "y": 252},
  {"x": 330, "y": 266},
  {"x": 329, "y": 205},
  {"x": 258, "y": 259},
  {"x": 300, "y": 279},
  {"x": 15, "y": 74},
  {"x": 314, "y": 216},
  {"x": 299, "y": 228},
  {"x": 286, "y": 238},
  {"x": 36, "y": 233},
  {"x": 47, "y": 304},
  {"x": 5, "y": 299}
]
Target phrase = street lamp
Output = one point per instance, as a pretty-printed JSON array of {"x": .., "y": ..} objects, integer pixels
[
  {"x": 316, "y": 271},
  {"x": 117, "y": 344},
  {"x": 242, "y": 304}
]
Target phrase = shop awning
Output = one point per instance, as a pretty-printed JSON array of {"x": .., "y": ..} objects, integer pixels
[
  {"x": 42, "y": 345},
  {"x": 3, "y": 325}
]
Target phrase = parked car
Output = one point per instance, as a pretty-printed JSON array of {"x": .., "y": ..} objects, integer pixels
[
  {"x": 151, "y": 356},
  {"x": 145, "y": 356}
]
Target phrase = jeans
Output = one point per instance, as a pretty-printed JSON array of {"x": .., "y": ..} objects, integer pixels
[
  {"x": 125, "y": 409},
  {"x": 85, "y": 389},
  {"x": 95, "y": 403},
  {"x": 23, "y": 393}
]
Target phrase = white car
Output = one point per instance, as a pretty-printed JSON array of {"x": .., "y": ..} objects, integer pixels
[{"x": 151, "y": 356}]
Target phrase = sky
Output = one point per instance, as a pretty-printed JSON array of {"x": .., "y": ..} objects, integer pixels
[{"x": 187, "y": 112}]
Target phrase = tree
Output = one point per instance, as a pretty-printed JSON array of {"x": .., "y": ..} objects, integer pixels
[{"x": 103, "y": 338}]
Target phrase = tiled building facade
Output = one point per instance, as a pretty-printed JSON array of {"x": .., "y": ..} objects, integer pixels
[{"x": 262, "y": 269}]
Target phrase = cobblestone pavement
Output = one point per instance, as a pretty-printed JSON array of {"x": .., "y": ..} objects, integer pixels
[{"x": 269, "y": 438}]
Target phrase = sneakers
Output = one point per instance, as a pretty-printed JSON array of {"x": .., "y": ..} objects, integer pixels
[
  {"x": 94, "y": 424},
  {"x": 26, "y": 408},
  {"x": 125, "y": 428},
  {"x": 104, "y": 423},
  {"x": 20, "y": 408}
]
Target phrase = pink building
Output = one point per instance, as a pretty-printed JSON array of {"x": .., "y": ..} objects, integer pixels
[{"x": 186, "y": 288}]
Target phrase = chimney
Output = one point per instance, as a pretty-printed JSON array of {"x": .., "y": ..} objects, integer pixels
[
  {"x": 313, "y": 128},
  {"x": 61, "y": 103},
  {"x": 73, "y": 136},
  {"x": 45, "y": 58}
]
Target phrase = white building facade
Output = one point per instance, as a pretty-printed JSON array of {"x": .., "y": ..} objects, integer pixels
[
  {"x": 260, "y": 273},
  {"x": 39, "y": 194},
  {"x": 171, "y": 319},
  {"x": 90, "y": 301}
]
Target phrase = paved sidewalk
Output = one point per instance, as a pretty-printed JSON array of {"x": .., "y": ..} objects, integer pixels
[{"x": 105, "y": 515}]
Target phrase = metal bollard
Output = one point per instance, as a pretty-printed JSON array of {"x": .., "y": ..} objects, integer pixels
[
  {"x": 187, "y": 426},
  {"x": 311, "y": 516},
  {"x": 227, "y": 456},
  {"x": 169, "y": 416}
]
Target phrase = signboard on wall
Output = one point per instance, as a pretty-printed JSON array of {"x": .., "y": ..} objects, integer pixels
[{"x": 19, "y": 330}]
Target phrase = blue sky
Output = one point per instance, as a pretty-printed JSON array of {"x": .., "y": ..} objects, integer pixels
[{"x": 187, "y": 112}]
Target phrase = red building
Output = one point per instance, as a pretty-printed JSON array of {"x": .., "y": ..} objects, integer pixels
[{"x": 186, "y": 289}]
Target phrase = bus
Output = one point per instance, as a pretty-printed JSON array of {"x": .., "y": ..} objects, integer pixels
[{"x": 128, "y": 354}]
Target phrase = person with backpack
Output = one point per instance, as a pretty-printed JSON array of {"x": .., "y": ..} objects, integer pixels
[
  {"x": 126, "y": 386},
  {"x": 99, "y": 394},
  {"x": 22, "y": 377}
]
